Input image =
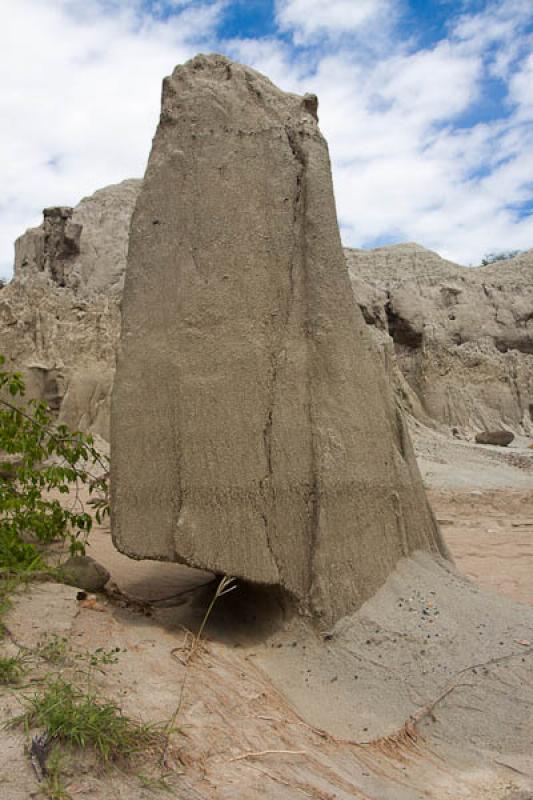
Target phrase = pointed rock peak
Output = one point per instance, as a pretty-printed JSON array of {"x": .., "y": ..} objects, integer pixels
[{"x": 253, "y": 432}]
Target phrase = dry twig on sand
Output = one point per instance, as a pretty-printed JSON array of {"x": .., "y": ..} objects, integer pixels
[{"x": 261, "y": 753}]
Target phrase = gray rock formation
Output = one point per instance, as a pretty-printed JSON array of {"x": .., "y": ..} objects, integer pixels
[
  {"x": 85, "y": 573},
  {"x": 461, "y": 337},
  {"x": 84, "y": 248},
  {"x": 456, "y": 341},
  {"x": 253, "y": 432},
  {"x": 60, "y": 316},
  {"x": 499, "y": 438}
]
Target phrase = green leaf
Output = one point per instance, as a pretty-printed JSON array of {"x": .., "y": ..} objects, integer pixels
[{"x": 51, "y": 458}]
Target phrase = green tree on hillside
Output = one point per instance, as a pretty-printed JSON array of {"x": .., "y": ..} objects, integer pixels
[{"x": 504, "y": 255}]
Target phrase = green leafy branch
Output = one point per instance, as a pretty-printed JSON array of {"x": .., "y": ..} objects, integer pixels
[{"x": 37, "y": 459}]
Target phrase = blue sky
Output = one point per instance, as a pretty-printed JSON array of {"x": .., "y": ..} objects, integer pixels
[{"x": 427, "y": 106}]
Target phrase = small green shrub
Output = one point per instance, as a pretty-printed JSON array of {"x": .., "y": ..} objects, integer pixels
[
  {"x": 11, "y": 669},
  {"x": 42, "y": 457},
  {"x": 156, "y": 783},
  {"x": 53, "y": 786},
  {"x": 53, "y": 649},
  {"x": 78, "y": 718},
  {"x": 7, "y": 586}
]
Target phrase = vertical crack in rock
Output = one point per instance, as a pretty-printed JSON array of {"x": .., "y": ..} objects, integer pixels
[
  {"x": 267, "y": 487},
  {"x": 277, "y": 348},
  {"x": 177, "y": 496},
  {"x": 401, "y": 434},
  {"x": 300, "y": 237},
  {"x": 400, "y": 524},
  {"x": 195, "y": 223}
]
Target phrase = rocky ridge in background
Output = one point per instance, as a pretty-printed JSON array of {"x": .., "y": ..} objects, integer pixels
[
  {"x": 60, "y": 315},
  {"x": 462, "y": 337},
  {"x": 457, "y": 342}
]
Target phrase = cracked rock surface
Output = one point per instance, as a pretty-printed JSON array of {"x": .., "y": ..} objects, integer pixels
[
  {"x": 246, "y": 377},
  {"x": 60, "y": 315},
  {"x": 461, "y": 337},
  {"x": 457, "y": 342}
]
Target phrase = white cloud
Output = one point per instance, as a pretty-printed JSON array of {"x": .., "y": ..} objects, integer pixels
[
  {"x": 271, "y": 57},
  {"x": 81, "y": 93},
  {"x": 410, "y": 162},
  {"x": 307, "y": 18},
  {"x": 430, "y": 85},
  {"x": 80, "y": 98},
  {"x": 521, "y": 90}
]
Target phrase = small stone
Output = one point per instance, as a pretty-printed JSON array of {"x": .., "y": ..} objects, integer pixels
[
  {"x": 500, "y": 438},
  {"x": 310, "y": 103},
  {"x": 85, "y": 573},
  {"x": 8, "y": 466}
]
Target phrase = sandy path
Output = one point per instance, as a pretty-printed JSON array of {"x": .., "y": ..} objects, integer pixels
[
  {"x": 483, "y": 499},
  {"x": 490, "y": 535}
]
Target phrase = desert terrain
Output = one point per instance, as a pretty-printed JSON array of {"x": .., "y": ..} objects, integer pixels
[
  {"x": 236, "y": 735},
  {"x": 307, "y": 422}
]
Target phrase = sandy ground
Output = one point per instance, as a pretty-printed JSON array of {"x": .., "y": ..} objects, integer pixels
[
  {"x": 426, "y": 693},
  {"x": 483, "y": 499},
  {"x": 490, "y": 535}
]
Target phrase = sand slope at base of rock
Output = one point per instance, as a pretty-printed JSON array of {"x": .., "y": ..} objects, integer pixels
[{"x": 237, "y": 737}]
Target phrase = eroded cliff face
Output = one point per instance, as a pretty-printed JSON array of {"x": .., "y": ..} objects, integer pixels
[
  {"x": 82, "y": 249},
  {"x": 462, "y": 337},
  {"x": 60, "y": 315},
  {"x": 457, "y": 342}
]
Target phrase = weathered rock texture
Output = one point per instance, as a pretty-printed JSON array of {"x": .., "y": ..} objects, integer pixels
[
  {"x": 462, "y": 337},
  {"x": 85, "y": 573},
  {"x": 499, "y": 438},
  {"x": 253, "y": 432},
  {"x": 456, "y": 341},
  {"x": 60, "y": 316},
  {"x": 84, "y": 248}
]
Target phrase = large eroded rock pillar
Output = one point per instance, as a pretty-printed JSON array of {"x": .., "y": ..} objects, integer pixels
[{"x": 253, "y": 432}]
